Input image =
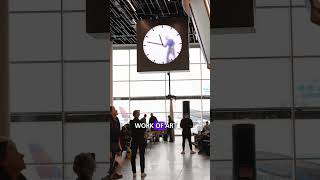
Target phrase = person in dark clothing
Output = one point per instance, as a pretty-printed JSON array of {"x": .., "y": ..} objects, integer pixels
[
  {"x": 11, "y": 161},
  {"x": 186, "y": 124},
  {"x": 151, "y": 120},
  {"x": 138, "y": 141},
  {"x": 144, "y": 119},
  {"x": 114, "y": 142},
  {"x": 170, "y": 129},
  {"x": 84, "y": 166}
]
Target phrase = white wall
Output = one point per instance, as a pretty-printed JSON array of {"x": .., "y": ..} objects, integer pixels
[
  {"x": 254, "y": 71},
  {"x": 56, "y": 68}
]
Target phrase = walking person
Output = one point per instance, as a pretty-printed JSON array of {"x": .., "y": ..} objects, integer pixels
[
  {"x": 138, "y": 142},
  {"x": 186, "y": 124}
]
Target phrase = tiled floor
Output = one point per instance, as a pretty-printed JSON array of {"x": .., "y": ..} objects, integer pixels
[{"x": 164, "y": 162}]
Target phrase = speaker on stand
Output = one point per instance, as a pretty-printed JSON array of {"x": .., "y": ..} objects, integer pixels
[{"x": 186, "y": 108}]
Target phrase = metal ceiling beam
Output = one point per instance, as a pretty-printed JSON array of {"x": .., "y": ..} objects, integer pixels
[
  {"x": 124, "y": 18},
  {"x": 159, "y": 7}
]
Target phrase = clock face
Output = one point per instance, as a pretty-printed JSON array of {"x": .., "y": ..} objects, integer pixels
[{"x": 162, "y": 44}]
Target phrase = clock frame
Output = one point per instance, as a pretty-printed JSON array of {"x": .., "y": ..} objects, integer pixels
[{"x": 181, "y": 62}]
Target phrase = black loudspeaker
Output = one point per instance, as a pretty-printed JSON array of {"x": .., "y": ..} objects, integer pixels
[
  {"x": 232, "y": 13},
  {"x": 244, "y": 152},
  {"x": 186, "y": 108},
  {"x": 97, "y": 16}
]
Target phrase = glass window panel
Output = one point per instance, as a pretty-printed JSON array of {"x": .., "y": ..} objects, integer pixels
[
  {"x": 195, "y": 112},
  {"x": 40, "y": 142},
  {"x": 205, "y": 71},
  {"x": 124, "y": 118},
  {"x": 133, "y": 56},
  {"x": 177, "y": 119},
  {"x": 148, "y": 105},
  {"x": 206, "y": 104},
  {"x": 122, "y": 106},
  {"x": 120, "y": 89},
  {"x": 134, "y": 75},
  {"x": 203, "y": 60},
  {"x": 205, "y": 117},
  {"x": 194, "y": 55},
  {"x": 194, "y": 73},
  {"x": 120, "y": 57},
  {"x": 120, "y": 73},
  {"x": 147, "y": 88},
  {"x": 160, "y": 116},
  {"x": 185, "y": 88},
  {"x": 206, "y": 87},
  {"x": 195, "y": 105}
]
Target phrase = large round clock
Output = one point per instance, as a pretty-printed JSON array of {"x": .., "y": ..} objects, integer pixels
[{"x": 162, "y": 44}]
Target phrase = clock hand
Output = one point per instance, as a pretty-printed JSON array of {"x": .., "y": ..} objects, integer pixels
[
  {"x": 161, "y": 40},
  {"x": 155, "y": 43}
]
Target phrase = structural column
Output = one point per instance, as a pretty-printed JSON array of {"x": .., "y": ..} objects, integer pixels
[{"x": 4, "y": 69}]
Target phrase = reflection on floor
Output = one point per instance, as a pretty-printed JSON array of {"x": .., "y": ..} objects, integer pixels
[
  {"x": 271, "y": 166},
  {"x": 164, "y": 162},
  {"x": 305, "y": 170}
]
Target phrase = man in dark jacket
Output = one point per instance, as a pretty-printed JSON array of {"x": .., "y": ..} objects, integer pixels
[
  {"x": 151, "y": 120},
  {"x": 11, "y": 161},
  {"x": 114, "y": 142},
  {"x": 138, "y": 141},
  {"x": 186, "y": 124}
]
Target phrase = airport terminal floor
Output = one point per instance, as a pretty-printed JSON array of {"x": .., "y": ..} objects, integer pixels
[{"x": 164, "y": 162}]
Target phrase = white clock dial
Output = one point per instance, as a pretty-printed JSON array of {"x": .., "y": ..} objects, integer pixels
[{"x": 162, "y": 44}]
